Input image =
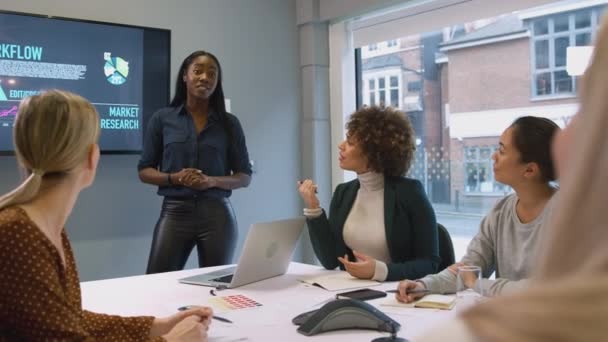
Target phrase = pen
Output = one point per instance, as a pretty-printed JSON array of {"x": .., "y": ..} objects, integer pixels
[
  {"x": 410, "y": 291},
  {"x": 301, "y": 181},
  {"x": 221, "y": 319}
]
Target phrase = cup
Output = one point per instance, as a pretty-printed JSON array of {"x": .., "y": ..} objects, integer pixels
[{"x": 468, "y": 284}]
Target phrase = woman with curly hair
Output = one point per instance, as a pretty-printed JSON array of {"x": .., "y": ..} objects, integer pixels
[{"x": 381, "y": 225}]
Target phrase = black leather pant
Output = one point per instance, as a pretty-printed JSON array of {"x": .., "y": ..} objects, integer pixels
[{"x": 209, "y": 223}]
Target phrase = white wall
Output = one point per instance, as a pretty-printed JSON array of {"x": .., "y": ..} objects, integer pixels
[
  {"x": 257, "y": 45},
  {"x": 333, "y": 10}
]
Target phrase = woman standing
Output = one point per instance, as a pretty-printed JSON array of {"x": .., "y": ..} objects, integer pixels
[
  {"x": 196, "y": 153},
  {"x": 381, "y": 225}
]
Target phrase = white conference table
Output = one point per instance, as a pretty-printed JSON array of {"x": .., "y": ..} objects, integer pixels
[{"x": 282, "y": 298}]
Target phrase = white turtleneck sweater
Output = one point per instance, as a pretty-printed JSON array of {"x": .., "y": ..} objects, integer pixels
[{"x": 364, "y": 229}]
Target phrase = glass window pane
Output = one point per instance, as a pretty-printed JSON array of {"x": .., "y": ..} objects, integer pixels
[
  {"x": 541, "y": 27},
  {"x": 560, "y": 23},
  {"x": 372, "y": 99},
  {"x": 414, "y": 86},
  {"x": 372, "y": 84},
  {"x": 395, "y": 98},
  {"x": 471, "y": 154},
  {"x": 561, "y": 44},
  {"x": 484, "y": 185},
  {"x": 563, "y": 82},
  {"x": 582, "y": 19},
  {"x": 543, "y": 83},
  {"x": 541, "y": 47},
  {"x": 583, "y": 39},
  {"x": 472, "y": 174},
  {"x": 485, "y": 153},
  {"x": 453, "y": 162},
  {"x": 394, "y": 81}
]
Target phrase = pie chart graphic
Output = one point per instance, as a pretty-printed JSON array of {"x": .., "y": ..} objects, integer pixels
[{"x": 116, "y": 70}]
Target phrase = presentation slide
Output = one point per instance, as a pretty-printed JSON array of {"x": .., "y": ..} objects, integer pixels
[{"x": 103, "y": 63}]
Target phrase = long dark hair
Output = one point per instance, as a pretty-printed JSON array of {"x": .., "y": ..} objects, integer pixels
[
  {"x": 532, "y": 137},
  {"x": 216, "y": 101}
]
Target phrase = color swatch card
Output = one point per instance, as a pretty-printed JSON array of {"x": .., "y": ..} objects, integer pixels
[{"x": 234, "y": 302}]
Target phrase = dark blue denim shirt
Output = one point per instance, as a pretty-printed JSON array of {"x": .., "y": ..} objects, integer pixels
[{"x": 171, "y": 144}]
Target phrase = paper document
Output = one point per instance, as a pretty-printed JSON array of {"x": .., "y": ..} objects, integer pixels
[
  {"x": 432, "y": 301},
  {"x": 338, "y": 281}
]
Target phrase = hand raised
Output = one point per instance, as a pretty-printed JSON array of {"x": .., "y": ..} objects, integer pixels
[{"x": 308, "y": 190}]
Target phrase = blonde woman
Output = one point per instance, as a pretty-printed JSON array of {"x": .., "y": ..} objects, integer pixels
[{"x": 55, "y": 137}]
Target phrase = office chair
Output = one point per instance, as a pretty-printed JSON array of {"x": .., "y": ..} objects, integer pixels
[{"x": 446, "y": 248}]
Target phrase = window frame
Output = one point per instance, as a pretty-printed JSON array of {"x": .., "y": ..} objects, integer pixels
[
  {"x": 550, "y": 37},
  {"x": 487, "y": 164},
  {"x": 385, "y": 74}
]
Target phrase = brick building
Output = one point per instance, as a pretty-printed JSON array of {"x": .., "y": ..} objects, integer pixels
[
  {"x": 463, "y": 85},
  {"x": 513, "y": 66}
]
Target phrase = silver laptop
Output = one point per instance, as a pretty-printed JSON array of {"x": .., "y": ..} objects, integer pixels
[{"x": 267, "y": 253}]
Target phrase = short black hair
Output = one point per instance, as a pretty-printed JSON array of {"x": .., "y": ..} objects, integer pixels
[{"x": 532, "y": 137}]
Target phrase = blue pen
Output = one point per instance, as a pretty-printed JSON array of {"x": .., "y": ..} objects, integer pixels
[{"x": 221, "y": 319}]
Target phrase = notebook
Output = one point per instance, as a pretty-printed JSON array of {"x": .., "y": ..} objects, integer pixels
[
  {"x": 431, "y": 301},
  {"x": 267, "y": 253},
  {"x": 338, "y": 281}
]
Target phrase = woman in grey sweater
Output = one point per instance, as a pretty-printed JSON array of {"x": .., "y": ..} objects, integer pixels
[{"x": 508, "y": 237}]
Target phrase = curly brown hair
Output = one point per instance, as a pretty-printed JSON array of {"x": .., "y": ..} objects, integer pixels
[{"x": 386, "y": 137}]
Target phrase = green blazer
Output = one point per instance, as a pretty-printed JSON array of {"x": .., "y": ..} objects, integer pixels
[{"x": 410, "y": 224}]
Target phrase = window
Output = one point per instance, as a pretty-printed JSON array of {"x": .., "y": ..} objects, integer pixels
[
  {"x": 381, "y": 48},
  {"x": 414, "y": 86},
  {"x": 383, "y": 90},
  {"x": 459, "y": 94},
  {"x": 479, "y": 172},
  {"x": 372, "y": 92},
  {"x": 551, "y": 37},
  {"x": 394, "y": 91}
]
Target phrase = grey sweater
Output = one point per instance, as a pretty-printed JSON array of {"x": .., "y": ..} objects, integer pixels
[{"x": 503, "y": 244}]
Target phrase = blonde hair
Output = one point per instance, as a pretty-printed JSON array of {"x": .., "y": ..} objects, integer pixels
[{"x": 53, "y": 134}]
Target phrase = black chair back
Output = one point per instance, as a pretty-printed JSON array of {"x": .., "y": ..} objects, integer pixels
[{"x": 446, "y": 248}]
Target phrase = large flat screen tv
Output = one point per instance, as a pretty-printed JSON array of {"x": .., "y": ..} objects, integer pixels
[{"x": 123, "y": 70}]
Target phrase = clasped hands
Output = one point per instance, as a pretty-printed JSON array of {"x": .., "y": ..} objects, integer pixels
[{"x": 194, "y": 178}]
